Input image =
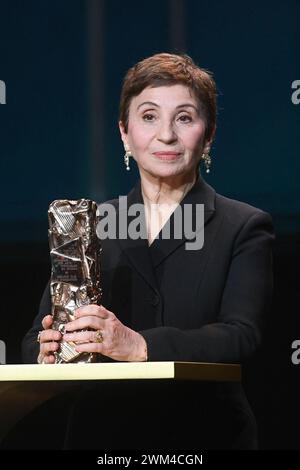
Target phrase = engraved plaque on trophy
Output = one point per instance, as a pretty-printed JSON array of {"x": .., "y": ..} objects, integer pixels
[{"x": 75, "y": 262}]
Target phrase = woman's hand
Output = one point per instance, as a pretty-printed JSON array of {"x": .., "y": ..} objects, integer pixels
[
  {"x": 106, "y": 335},
  {"x": 48, "y": 340}
]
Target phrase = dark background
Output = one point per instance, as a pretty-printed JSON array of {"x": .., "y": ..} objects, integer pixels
[{"x": 63, "y": 62}]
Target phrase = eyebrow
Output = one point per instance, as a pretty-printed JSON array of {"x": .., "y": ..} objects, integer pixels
[{"x": 184, "y": 105}]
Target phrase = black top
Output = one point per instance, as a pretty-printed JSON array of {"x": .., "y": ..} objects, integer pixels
[
  {"x": 205, "y": 305},
  {"x": 190, "y": 305}
]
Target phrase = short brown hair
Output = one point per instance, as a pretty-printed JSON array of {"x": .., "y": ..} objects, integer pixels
[{"x": 170, "y": 69}]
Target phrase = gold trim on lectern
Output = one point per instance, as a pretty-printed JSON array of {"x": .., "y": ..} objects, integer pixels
[{"x": 121, "y": 371}]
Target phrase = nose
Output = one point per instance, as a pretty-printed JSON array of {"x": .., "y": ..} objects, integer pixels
[{"x": 166, "y": 132}]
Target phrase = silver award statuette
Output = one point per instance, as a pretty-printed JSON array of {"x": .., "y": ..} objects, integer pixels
[{"x": 75, "y": 267}]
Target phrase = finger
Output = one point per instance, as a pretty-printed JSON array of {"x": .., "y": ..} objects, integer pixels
[
  {"x": 47, "y": 322},
  {"x": 49, "y": 347},
  {"x": 80, "y": 336},
  {"x": 49, "y": 335},
  {"x": 49, "y": 359},
  {"x": 91, "y": 347},
  {"x": 93, "y": 322},
  {"x": 92, "y": 310}
]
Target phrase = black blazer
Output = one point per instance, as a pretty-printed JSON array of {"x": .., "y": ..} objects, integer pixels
[{"x": 205, "y": 305}]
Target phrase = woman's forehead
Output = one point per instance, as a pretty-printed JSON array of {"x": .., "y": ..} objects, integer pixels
[{"x": 172, "y": 95}]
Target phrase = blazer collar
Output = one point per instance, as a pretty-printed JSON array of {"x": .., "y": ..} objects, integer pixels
[
  {"x": 143, "y": 257},
  {"x": 201, "y": 193}
]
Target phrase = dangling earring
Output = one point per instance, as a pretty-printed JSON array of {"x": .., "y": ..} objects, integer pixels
[
  {"x": 207, "y": 161},
  {"x": 127, "y": 155}
]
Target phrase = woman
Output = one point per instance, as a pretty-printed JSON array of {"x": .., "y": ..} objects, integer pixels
[{"x": 161, "y": 300}]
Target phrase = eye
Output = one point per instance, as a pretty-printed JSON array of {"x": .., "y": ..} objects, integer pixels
[
  {"x": 185, "y": 118},
  {"x": 148, "y": 117}
]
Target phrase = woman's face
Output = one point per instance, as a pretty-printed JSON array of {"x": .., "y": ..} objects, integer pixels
[{"x": 166, "y": 130}]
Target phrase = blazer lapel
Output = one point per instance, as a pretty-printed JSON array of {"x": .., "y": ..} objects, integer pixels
[
  {"x": 138, "y": 251},
  {"x": 201, "y": 193}
]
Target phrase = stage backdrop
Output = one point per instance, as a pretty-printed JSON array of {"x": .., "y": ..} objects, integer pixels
[{"x": 48, "y": 62}]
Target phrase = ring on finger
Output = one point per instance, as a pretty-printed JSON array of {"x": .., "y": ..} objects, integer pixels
[{"x": 98, "y": 337}]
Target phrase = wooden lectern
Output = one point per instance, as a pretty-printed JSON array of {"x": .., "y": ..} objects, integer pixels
[{"x": 24, "y": 387}]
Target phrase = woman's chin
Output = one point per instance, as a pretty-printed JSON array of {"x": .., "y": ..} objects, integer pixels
[
  {"x": 167, "y": 171},
  {"x": 166, "y": 174}
]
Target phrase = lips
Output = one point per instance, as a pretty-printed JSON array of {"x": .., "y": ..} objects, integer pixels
[{"x": 167, "y": 155}]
